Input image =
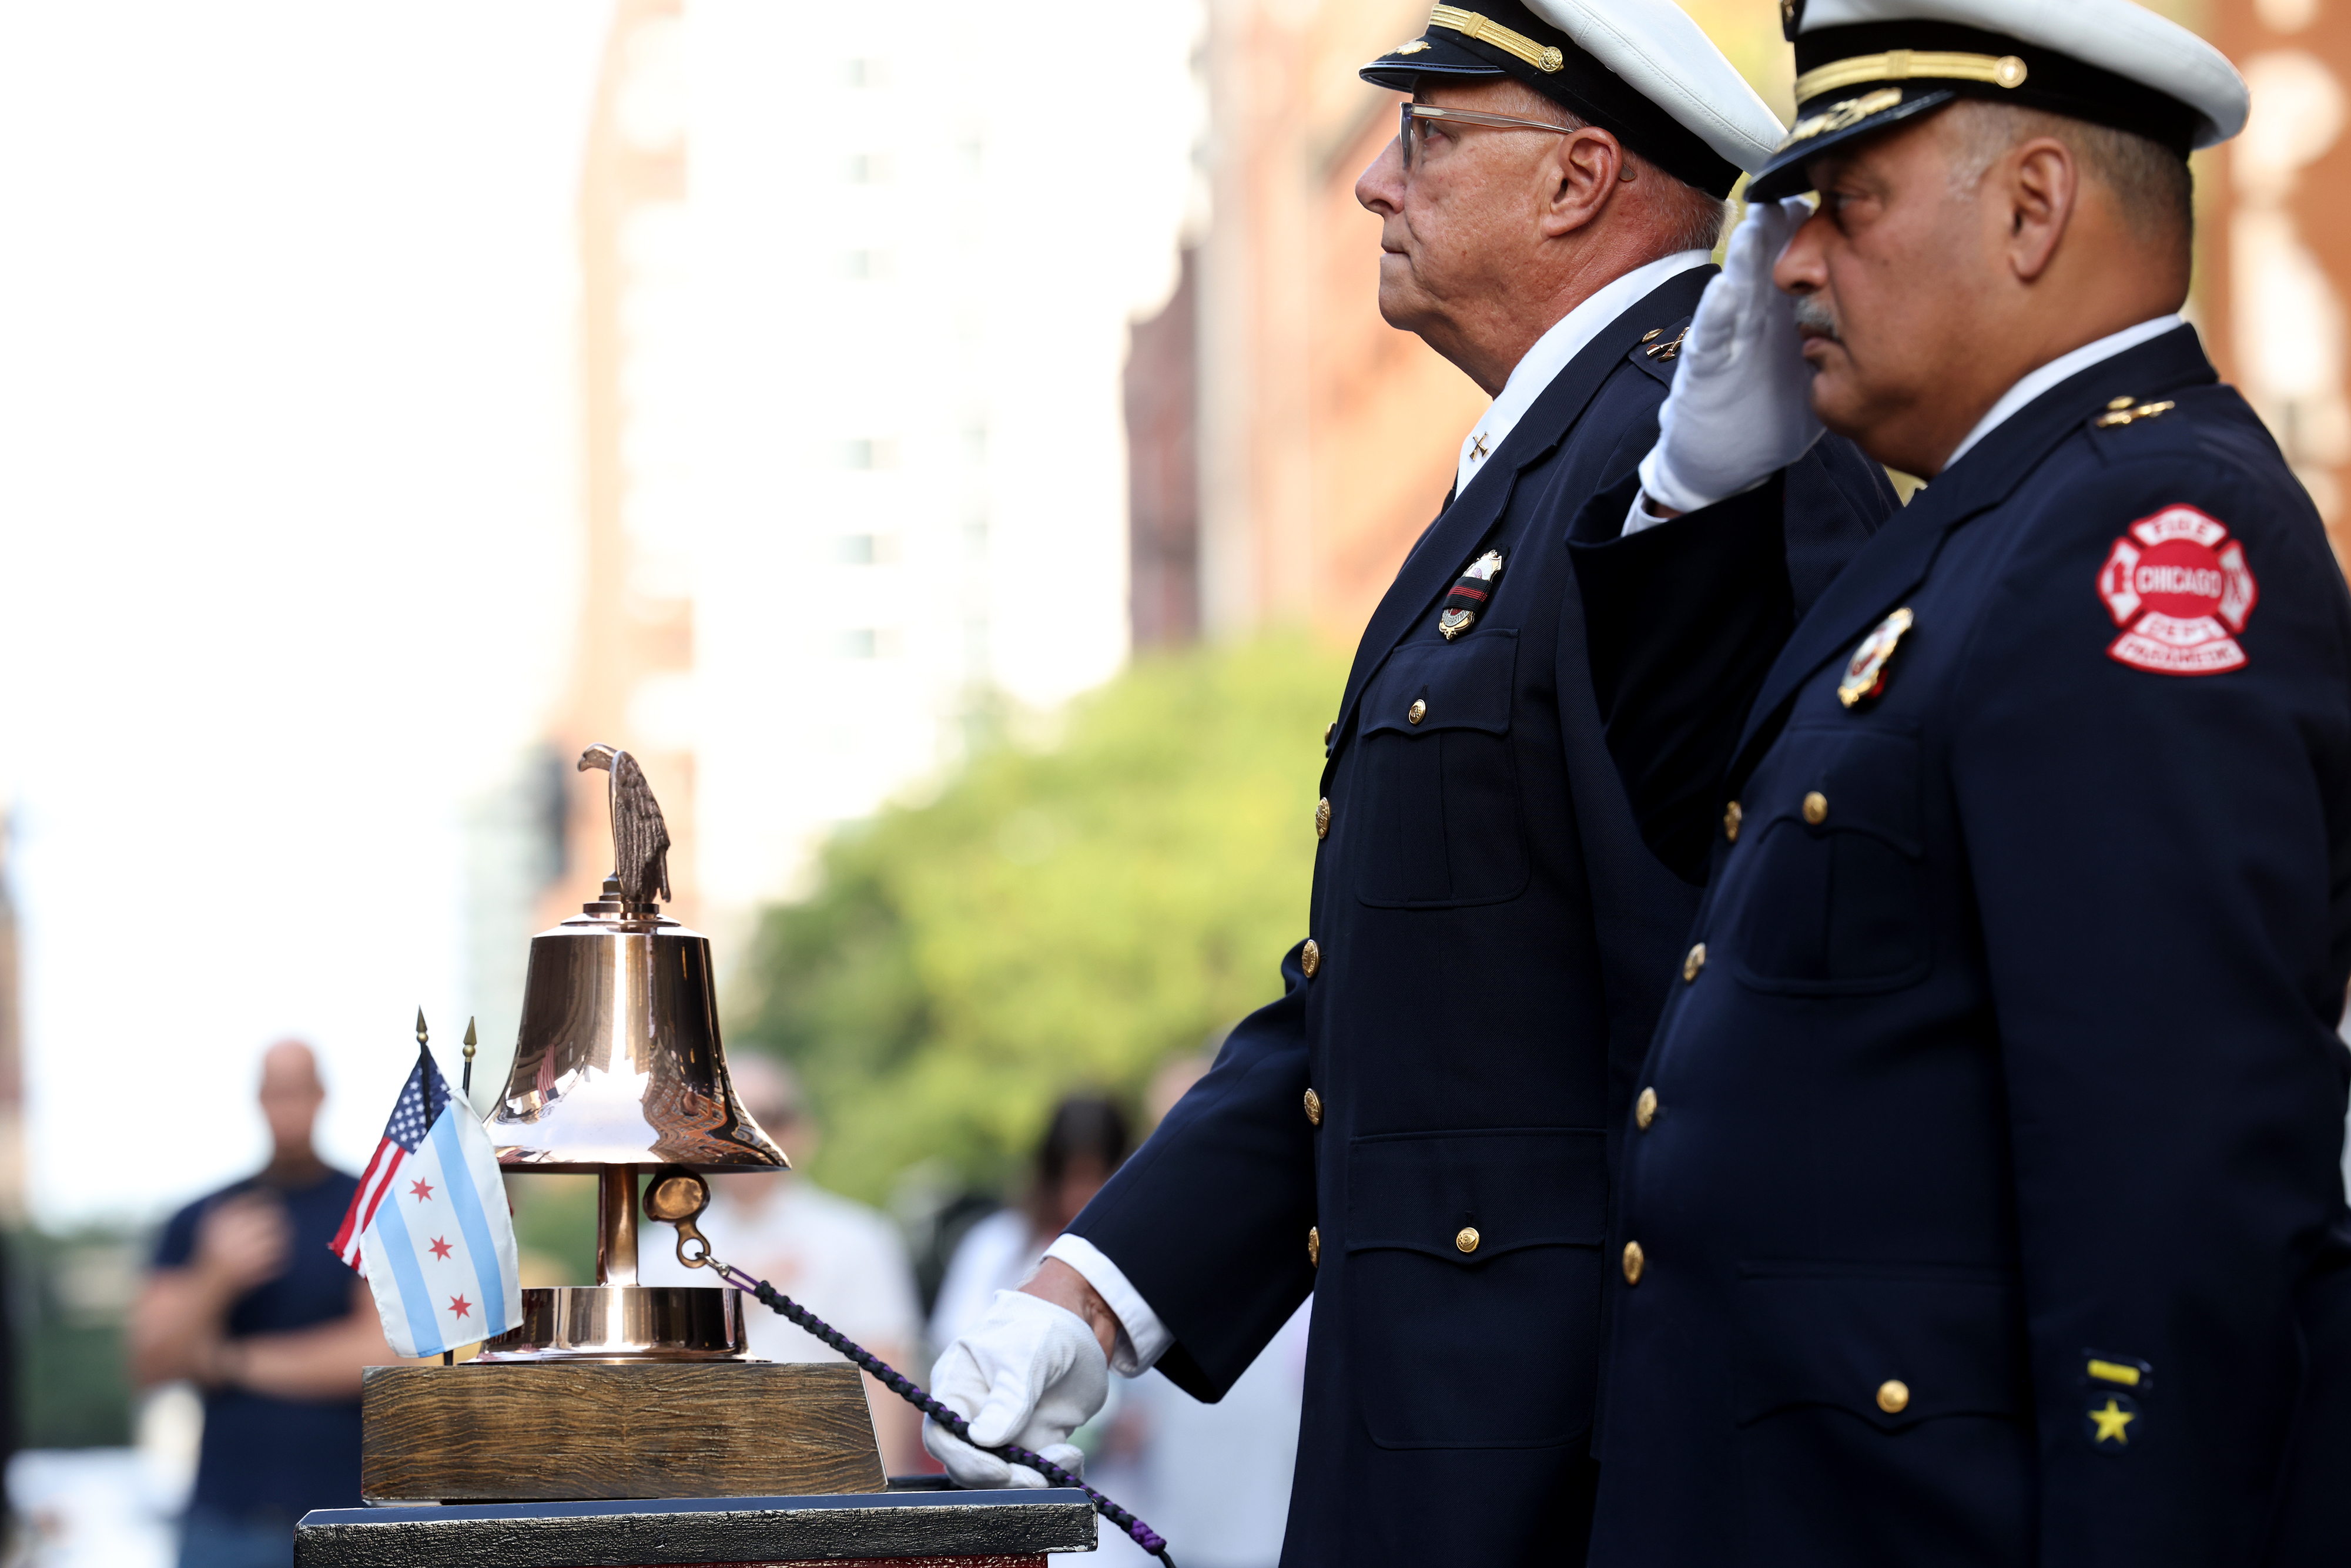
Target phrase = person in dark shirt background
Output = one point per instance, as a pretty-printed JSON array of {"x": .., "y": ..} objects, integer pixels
[{"x": 248, "y": 1301}]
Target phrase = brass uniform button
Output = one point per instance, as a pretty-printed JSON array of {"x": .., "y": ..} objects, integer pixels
[
  {"x": 1633, "y": 1263},
  {"x": 1690, "y": 966},
  {"x": 1314, "y": 1247},
  {"x": 1816, "y": 808},
  {"x": 1894, "y": 1397},
  {"x": 1731, "y": 817},
  {"x": 1645, "y": 1109},
  {"x": 1322, "y": 818},
  {"x": 1328, "y": 730},
  {"x": 1417, "y": 712},
  {"x": 1311, "y": 959},
  {"x": 1467, "y": 1239},
  {"x": 1314, "y": 1107}
]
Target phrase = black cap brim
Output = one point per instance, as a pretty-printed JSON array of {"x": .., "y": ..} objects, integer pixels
[
  {"x": 1430, "y": 57},
  {"x": 1784, "y": 175}
]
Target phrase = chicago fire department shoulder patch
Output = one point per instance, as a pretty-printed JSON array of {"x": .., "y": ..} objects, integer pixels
[{"x": 2177, "y": 586}]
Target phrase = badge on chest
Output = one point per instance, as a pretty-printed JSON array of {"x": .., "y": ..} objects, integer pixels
[
  {"x": 1865, "y": 672},
  {"x": 1471, "y": 595}
]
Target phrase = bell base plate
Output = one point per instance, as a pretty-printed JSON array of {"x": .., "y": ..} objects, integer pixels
[
  {"x": 573, "y": 1431},
  {"x": 620, "y": 1324}
]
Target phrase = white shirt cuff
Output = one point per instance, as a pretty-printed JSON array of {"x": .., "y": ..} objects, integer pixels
[
  {"x": 1142, "y": 1339},
  {"x": 1638, "y": 516}
]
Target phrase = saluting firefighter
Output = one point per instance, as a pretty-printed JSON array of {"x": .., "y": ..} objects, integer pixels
[
  {"x": 1416, "y": 1134},
  {"x": 1981, "y": 1200}
]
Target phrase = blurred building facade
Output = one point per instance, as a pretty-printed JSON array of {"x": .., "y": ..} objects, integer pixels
[
  {"x": 2277, "y": 245},
  {"x": 854, "y": 299},
  {"x": 11, "y": 1059}
]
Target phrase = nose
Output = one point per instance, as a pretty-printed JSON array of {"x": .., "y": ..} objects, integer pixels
[
  {"x": 1799, "y": 270},
  {"x": 1380, "y": 187}
]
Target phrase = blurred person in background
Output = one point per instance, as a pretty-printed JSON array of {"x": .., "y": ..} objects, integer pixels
[
  {"x": 1085, "y": 1140},
  {"x": 844, "y": 1261},
  {"x": 1215, "y": 1478},
  {"x": 249, "y": 1301}
]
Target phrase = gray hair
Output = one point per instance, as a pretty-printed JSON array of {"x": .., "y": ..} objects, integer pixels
[{"x": 2149, "y": 181}]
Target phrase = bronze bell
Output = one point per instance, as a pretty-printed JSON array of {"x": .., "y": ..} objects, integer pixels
[
  {"x": 618, "y": 1069},
  {"x": 618, "y": 1062}
]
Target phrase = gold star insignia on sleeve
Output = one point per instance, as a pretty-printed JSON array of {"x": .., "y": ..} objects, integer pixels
[{"x": 2110, "y": 1423}]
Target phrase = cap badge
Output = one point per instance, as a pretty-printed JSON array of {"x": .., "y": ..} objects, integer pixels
[
  {"x": 1470, "y": 595},
  {"x": 1416, "y": 47},
  {"x": 1865, "y": 672},
  {"x": 2179, "y": 586},
  {"x": 1852, "y": 111},
  {"x": 1486, "y": 30}
]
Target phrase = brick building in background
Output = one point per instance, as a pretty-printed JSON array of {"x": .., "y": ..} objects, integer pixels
[
  {"x": 2276, "y": 242},
  {"x": 1326, "y": 439}
]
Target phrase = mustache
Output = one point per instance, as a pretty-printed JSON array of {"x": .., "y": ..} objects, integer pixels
[{"x": 1814, "y": 316}]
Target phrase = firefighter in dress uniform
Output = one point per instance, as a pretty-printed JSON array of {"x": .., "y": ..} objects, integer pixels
[
  {"x": 1981, "y": 1200},
  {"x": 1418, "y": 1132}
]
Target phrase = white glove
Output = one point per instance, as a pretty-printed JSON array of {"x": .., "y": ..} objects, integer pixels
[
  {"x": 1741, "y": 404},
  {"x": 1030, "y": 1372}
]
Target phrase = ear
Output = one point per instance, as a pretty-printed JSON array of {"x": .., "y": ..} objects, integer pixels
[
  {"x": 1584, "y": 170},
  {"x": 2041, "y": 188}
]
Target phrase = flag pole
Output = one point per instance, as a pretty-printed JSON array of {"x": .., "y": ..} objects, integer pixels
[{"x": 424, "y": 1083}]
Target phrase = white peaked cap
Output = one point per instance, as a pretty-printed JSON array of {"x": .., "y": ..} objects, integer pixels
[
  {"x": 1668, "y": 58},
  {"x": 2117, "y": 36}
]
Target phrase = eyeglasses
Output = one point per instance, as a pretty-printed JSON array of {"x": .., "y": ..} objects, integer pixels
[{"x": 1411, "y": 114}]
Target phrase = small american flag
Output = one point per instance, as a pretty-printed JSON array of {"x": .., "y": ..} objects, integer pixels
[{"x": 429, "y": 1227}]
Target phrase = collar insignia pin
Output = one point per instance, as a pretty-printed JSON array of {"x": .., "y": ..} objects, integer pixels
[
  {"x": 1865, "y": 672},
  {"x": 1470, "y": 595}
]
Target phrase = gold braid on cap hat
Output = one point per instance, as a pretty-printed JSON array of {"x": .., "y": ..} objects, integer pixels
[
  {"x": 1486, "y": 30},
  {"x": 1902, "y": 65}
]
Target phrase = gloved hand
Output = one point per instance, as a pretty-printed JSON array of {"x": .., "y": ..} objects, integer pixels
[
  {"x": 1741, "y": 404},
  {"x": 1030, "y": 1372}
]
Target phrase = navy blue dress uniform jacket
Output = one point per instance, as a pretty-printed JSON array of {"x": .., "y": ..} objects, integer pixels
[
  {"x": 1490, "y": 940},
  {"x": 1988, "y": 1207}
]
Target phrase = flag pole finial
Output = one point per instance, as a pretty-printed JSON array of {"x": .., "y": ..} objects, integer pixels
[
  {"x": 470, "y": 1043},
  {"x": 421, "y": 1036}
]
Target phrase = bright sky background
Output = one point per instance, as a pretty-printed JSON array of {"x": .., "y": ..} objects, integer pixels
[
  {"x": 289, "y": 511},
  {"x": 287, "y": 435}
]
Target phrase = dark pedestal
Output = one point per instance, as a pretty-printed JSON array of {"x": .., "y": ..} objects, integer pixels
[{"x": 905, "y": 1530}]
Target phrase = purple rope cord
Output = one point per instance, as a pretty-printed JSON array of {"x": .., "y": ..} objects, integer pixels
[{"x": 912, "y": 1392}]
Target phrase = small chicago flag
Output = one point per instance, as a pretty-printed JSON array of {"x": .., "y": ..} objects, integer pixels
[{"x": 429, "y": 1227}]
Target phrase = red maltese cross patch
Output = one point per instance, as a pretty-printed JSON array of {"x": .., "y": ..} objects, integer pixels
[{"x": 2178, "y": 587}]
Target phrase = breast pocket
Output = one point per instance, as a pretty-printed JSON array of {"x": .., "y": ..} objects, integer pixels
[
  {"x": 1438, "y": 785},
  {"x": 1459, "y": 1244},
  {"x": 1833, "y": 898}
]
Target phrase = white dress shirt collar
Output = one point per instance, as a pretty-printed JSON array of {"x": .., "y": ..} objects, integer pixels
[
  {"x": 1554, "y": 348},
  {"x": 2057, "y": 370}
]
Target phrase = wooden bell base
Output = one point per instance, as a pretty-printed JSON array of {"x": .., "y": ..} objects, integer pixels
[{"x": 579, "y": 1431}]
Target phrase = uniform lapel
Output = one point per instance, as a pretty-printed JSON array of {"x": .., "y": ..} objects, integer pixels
[
  {"x": 1445, "y": 547},
  {"x": 1898, "y": 558}
]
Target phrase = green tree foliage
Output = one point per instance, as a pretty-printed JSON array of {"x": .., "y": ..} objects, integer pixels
[{"x": 1056, "y": 917}]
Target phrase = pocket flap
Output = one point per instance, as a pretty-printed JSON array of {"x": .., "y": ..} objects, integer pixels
[
  {"x": 1460, "y": 685},
  {"x": 1868, "y": 781},
  {"x": 1926, "y": 1343},
  {"x": 1520, "y": 1187}
]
